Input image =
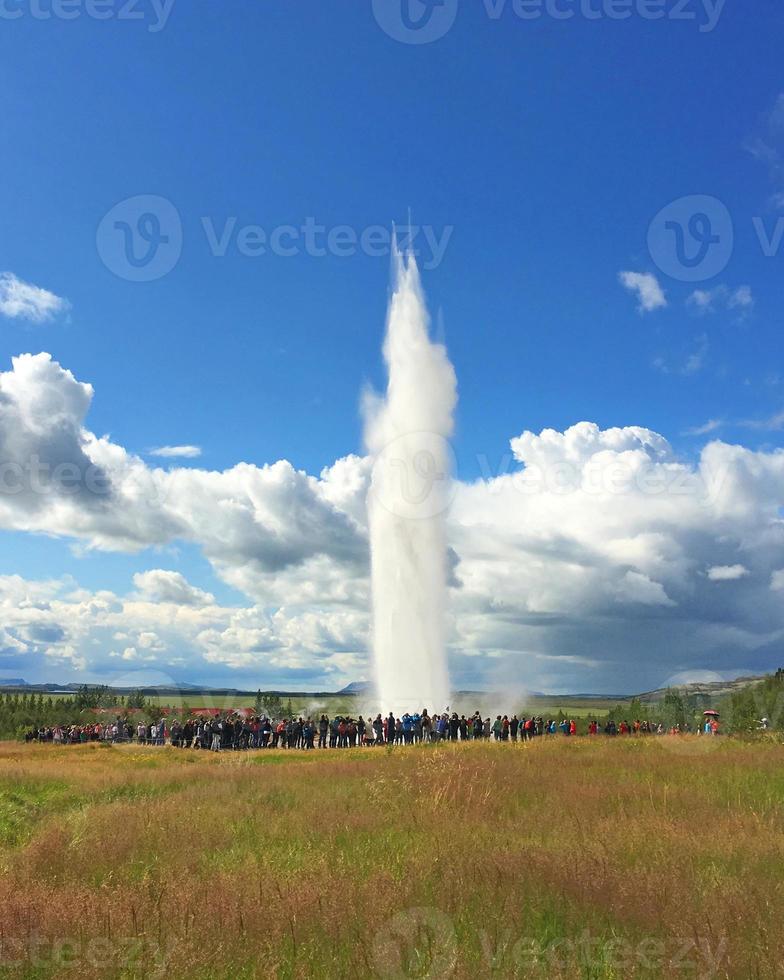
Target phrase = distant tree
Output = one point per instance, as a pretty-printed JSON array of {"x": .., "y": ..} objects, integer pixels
[
  {"x": 87, "y": 698},
  {"x": 637, "y": 710},
  {"x": 270, "y": 705},
  {"x": 136, "y": 699},
  {"x": 744, "y": 716},
  {"x": 769, "y": 696},
  {"x": 673, "y": 709}
]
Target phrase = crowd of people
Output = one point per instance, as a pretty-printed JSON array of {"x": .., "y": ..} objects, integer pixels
[{"x": 232, "y": 731}]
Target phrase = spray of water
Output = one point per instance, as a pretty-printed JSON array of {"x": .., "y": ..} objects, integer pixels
[{"x": 407, "y": 433}]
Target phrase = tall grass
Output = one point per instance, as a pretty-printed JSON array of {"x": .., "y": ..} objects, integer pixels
[{"x": 564, "y": 858}]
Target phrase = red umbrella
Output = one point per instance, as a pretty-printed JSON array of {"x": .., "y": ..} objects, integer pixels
[{"x": 711, "y": 714}]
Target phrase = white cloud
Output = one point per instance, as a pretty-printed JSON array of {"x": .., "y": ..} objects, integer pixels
[
  {"x": 777, "y": 580},
  {"x": 712, "y": 425},
  {"x": 636, "y": 587},
  {"x": 767, "y": 145},
  {"x": 177, "y": 452},
  {"x": 702, "y": 299},
  {"x": 589, "y": 555},
  {"x": 148, "y": 640},
  {"x": 650, "y": 295},
  {"x": 739, "y": 299},
  {"x": 688, "y": 363},
  {"x": 22, "y": 300},
  {"x": 11, "y": 645},
  {"x": 159, "y": 585},
  {"x": 774, "y": 423},
  {"x": 695, "y": 360},
  {"x": 727, "y": 573}
]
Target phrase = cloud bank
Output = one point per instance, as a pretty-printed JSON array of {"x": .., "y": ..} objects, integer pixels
[{"x": 601, "y": 561}]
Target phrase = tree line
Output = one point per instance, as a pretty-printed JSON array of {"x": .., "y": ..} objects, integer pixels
[{"x": 741, "y": 711}]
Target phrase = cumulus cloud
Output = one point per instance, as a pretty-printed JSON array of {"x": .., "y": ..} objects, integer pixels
[
  {"x": 159, "y": 585},
  {"x": 45, "y": 466},
  {"x": 50, "y": 626},
  {"x": 59, "y": 478},
  {"x": 176, "y": 452},
  {"x": 22, "y": 300},
  {"x": 636, "y": 587},
  {"x": 645, "y": 285},
  {"x": 10, "y": 645},
  {"x": 583, "y": 563},
  {"x": 727, "y": 573}
]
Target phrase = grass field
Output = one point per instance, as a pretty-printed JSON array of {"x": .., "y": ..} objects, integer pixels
[{"x": 655, "y": 857}]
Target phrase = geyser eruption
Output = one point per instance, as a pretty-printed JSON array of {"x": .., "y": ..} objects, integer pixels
[{"x": 406, "y": 433}]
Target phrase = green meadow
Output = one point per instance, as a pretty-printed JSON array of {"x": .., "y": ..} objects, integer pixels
[{"x": 595, "y": 858}]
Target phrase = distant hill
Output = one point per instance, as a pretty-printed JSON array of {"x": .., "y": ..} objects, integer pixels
[
  {"x": 356, "y": 687},
  {"x": 709, "y": 689},
  {"x": 712, "y": 690}
]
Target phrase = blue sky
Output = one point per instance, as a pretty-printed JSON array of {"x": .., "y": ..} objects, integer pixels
[{"x": 542, "y": 148}]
